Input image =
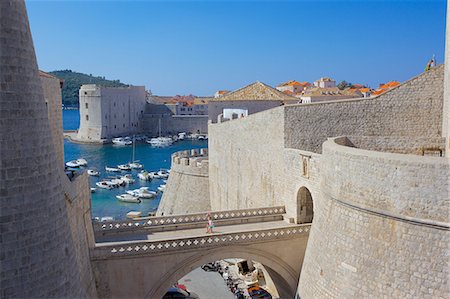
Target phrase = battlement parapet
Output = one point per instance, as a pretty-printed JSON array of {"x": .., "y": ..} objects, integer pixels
[{"x": 195, "y": 158}]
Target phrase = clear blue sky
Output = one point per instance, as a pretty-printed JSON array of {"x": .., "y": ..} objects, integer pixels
[{"x": 199, "y": 47}]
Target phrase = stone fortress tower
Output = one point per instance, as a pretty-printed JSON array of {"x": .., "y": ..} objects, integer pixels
[{"x": 42, "y": 247}]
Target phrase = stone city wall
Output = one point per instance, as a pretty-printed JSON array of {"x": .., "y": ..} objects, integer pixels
[
  {"x": 77, "y": 196},
  {"x": 413, "y": 109},
  {"x": 52, "y": 95},
  {"x": 246, "y": 161},
  {"x": 187, "y": 188},
  {"x": 401, "y": 145},
  {"x": 380, "y": 227},
  {"x": 174, "y": 124},
  {"x": 215, "y": 107},
  {"x": 37, "y": 256}
]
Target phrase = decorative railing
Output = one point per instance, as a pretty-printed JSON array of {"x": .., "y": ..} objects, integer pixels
[
  {"x": 136, "y": 224},
  {"x": 203, "y": 241}
]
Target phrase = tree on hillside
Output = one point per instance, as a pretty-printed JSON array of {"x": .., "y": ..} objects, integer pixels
[{"x": 343, "y": 85}]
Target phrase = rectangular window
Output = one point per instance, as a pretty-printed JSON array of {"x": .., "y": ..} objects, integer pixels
[
  {"x": 87, "y": 117},
  {"x": 86, "y": 105}
]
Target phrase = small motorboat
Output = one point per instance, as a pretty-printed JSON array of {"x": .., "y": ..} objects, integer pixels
[
  {"x": 181, "y": 136},
  {"x": 135, "y": 165},
  {"x": 202, "y": 137},
  {"x": 124, "y": 167},
  {"x": 118, "y": 182},
  {"x": 163, "y": 174},
  {"x": 112, "y": 169},
  {"x": 142, "y": 193},
  {"x": 92, "y": 172},
  {"x": 128, "y": 198},
  {"x": 93, "y": 189},
  {"x": 144, "y": 175},
  {"x": 104, "y": 185},
  {"x": 128, "y": 179},
  {"x": 162, "y": 188},
  {"x": 122, "y": 141},
  {"x": 154, "y": 175},
  {"x": 81, "y": 162},
  {"x": 134, "y": 214},
  {"x": 106, "y": 218},
  {"x": 73, "y": 164}
]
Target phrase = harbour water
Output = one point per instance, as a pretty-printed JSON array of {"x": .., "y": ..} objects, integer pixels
[{"x": 104, "y": 202}]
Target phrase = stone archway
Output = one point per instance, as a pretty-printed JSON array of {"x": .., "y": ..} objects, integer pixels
[
  {"x": 282, "y": 274},
  {"x": 305, "y": 206}
]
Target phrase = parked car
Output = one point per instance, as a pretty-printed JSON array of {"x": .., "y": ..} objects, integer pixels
[
  {"x": 178, "y": 293},
  {"x": 259, "y": 293}
]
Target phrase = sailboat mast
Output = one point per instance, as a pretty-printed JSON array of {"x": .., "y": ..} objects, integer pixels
[{"x": 134, "y": 148}]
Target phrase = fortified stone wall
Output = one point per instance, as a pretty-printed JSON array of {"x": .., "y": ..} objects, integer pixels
[
  {"x": 187, "y": 188},
  {"x": 215, "y": 107},
  {"x": 77, "y": 197},
  {"x": 107, "y": 112},
  {"x": 246, "y": 161},
  {"x": 174, "y": 124},
  {"x": 413, "y": 109},
  {"x": 37, "y": 254},
  {"x": 381, "y": 227},
  {"x": 52, "y": 94}
]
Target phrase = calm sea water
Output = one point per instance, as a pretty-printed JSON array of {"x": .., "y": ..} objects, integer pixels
[{"x": 104, "y": 202}]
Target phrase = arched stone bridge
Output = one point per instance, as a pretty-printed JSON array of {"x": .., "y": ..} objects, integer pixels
[{"x": 143, "y": 258}]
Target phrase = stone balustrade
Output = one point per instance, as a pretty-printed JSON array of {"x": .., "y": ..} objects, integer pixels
[
  {"x": 203, "y": 241},
  {"x": 137, "y": 224}
]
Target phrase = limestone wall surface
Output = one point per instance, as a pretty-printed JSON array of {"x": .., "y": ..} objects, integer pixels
[
  {"x": 380, "y": 228},
  {"x": 52, "y": 95},
  {"x": 187, "y": 188},
  {"x": 246, "y": 161},
  {"x": 216, "y": 107},
  {"x": 37, "y": 256},
  {"x": 412, "y": 109},
  {"x": 77, "y": 197},
  {"x": 174, "y": 124}
]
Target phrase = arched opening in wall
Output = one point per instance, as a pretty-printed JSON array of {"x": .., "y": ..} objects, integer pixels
[
  {"x": 305, "y": 207},
  {"x": 204, "y": 274},
  {"x": 229, "y": 278}
]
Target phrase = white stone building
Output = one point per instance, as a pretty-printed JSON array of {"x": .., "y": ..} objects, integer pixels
[
  {"x": 325, "y": 82},
  {"x": 107, "y": 112}
]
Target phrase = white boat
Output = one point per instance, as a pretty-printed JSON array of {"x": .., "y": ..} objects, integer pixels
[
  {"x": 202, "y": 137},
  {"x": 73, "y": 163},
  {"x": 122, "y": 141},
  {"x": 163, "y": 174},
  {"x": 93, "y": 189},
  {"x": 134, "y": 214},
  {"x": 144, "y": 175},
  {"x": 92, "y": 172},
  {"x": 106, "y": 218},
  {"x": 112, "y": 169},
  {"x": 142, "y": 193},
  {"x": 160, "y": 141},
  {"x": 154, "y": 175},
  {"x": 104, "y": 185},
  {"x": 128, "y": 178},
  {"x": 82, "y": 162},
  {"x": 181, "y": 136},
  {"x": 128, "y": 198},
  {"x": 162, "y": 188},
  {"x": 124, "y": 167},
  {"x": 118, "y": 182},
  {"x": 135, "y": 165}
]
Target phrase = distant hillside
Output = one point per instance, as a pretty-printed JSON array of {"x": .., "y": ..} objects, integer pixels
[{"x": 73, "y": 81}]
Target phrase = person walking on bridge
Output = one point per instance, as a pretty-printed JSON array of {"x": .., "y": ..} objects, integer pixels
[{"x": 209, "y": 225}]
